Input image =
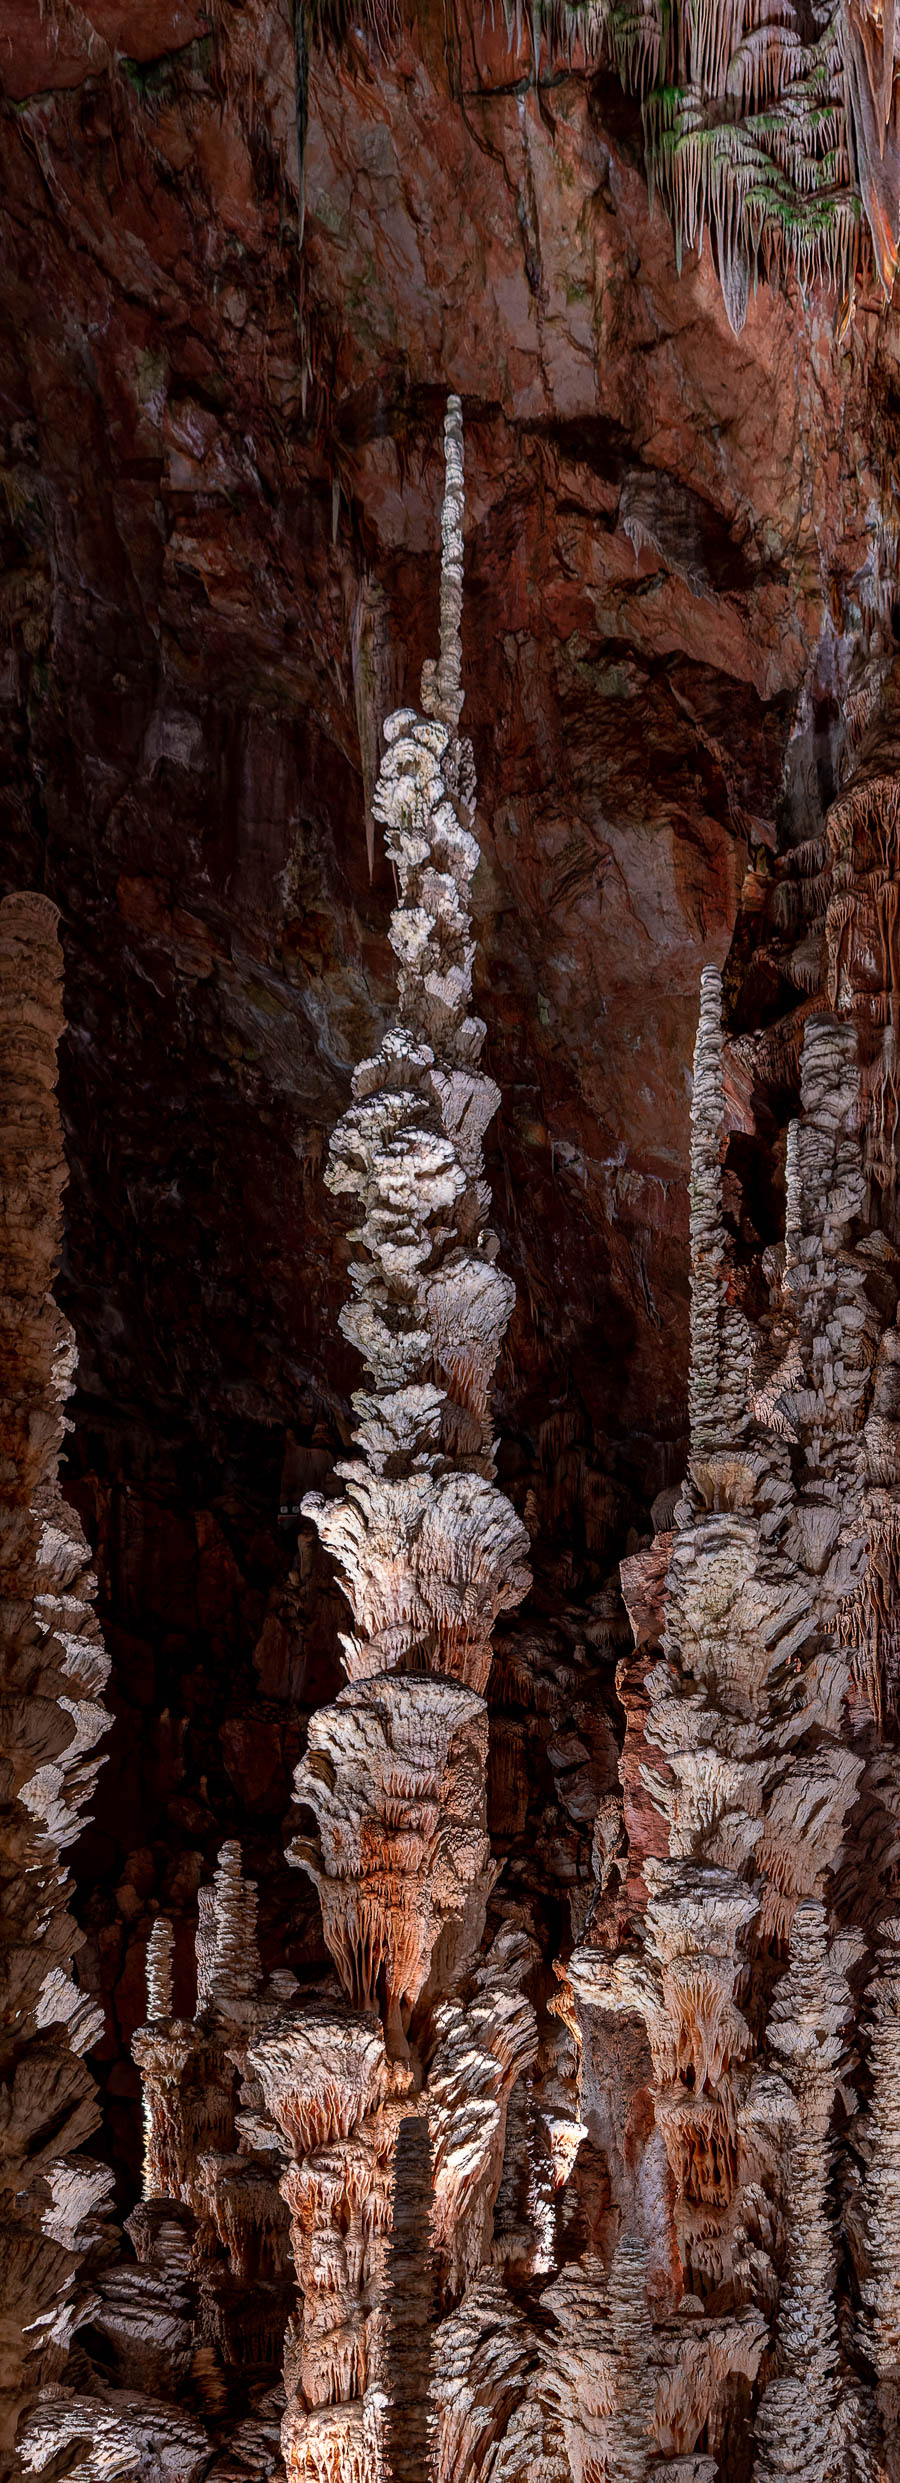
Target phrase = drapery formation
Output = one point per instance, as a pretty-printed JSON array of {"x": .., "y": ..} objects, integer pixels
[
  {"x": 772, "y": 131},
  {"x": 776, "y": 131}
]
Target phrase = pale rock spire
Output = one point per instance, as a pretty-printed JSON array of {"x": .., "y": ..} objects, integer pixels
[
  {"x": 717, "y": 1393},
  {"x": 159, "y": 1972},
  {"x": 422, "y": 1517},
  {"x": 442, "y": 690},
  {"x": 429, "y": 1552},
  {"x": 799, "y": 2430}
]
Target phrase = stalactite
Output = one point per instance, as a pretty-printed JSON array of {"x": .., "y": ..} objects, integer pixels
[{"x": 775, "y": 135}]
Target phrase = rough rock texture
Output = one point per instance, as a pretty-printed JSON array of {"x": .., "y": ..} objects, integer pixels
[
  {"x": 54, "y": 1669},
  {"x": 696, "y": 2321},
  {"x": 615, "y": 2194},
  {"x": 386, "y": 2109}
]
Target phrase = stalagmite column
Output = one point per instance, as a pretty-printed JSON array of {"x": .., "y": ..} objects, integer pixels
[
  {"x": 747, "y": 1766},
  {"x": 717, "y": 1384},
  {"x": 877, "y": 2237},
  {"x": 54, "y": 1670},
  {"x": 798, "y": 2426},
  {"x": 428, "y": 1552}
]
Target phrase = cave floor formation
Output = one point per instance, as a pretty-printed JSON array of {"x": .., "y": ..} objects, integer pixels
[{"x": 449, "y": 1244}]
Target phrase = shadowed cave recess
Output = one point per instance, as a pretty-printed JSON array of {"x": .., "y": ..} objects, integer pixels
[{"x": 450, "y": 1243}]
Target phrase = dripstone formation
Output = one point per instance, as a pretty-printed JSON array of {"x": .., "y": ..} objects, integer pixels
[
  {"x": 771, "y": 137},
  {"x": 52, "y": 2192},
  {"x": 321, "y": 2169},
  {"x": 581, "y": 2162}
]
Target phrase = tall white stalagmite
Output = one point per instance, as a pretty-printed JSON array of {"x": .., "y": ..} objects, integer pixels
[
  {"x": 718, "y": 1372},
  {"x": 428, "y": 1550}
]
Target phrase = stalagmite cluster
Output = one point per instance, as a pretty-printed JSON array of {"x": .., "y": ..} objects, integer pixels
[
  {"x": 756, "y": 1749},
  {"x": 429, "y": 1553},
  {"x": 321, "y": 2169},
  {"x": 582, "y": 2160}
]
